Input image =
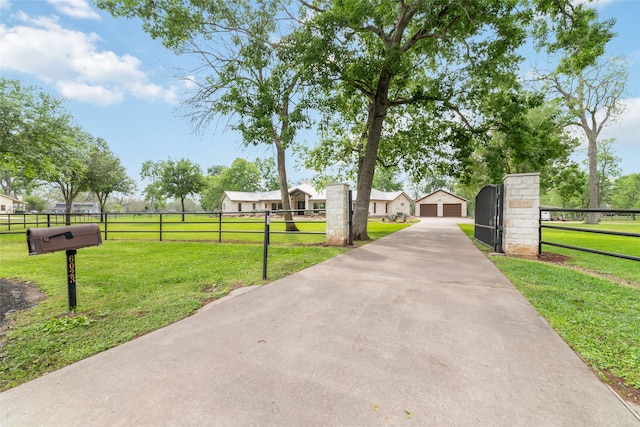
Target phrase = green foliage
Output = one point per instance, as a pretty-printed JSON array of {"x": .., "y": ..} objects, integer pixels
[
  {"x": 250, "y": 67},
  {"x": 35, "y": 203},
  {"x": 626, "y": 192},
  {"x": 570, "y": 184},
  {"x": 70, "y": 165},
  {"x": 267, "y": 169},
  {"x": 528, "y": 136},
  {"x": 241, "y": 176},
  {"x": 33, "y": 127},
  {"x": 608, "y": 169},
  {"x": 105, "y": 173},
  {"x": 574, "y": 32},
  {"x": 170, "y": 178},
  {"x": 387, "y": 179}
]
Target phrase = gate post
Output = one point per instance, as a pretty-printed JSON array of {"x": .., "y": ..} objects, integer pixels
[
  {"x": 337, "y": 214},
  {"x": 521, "y": 213}
]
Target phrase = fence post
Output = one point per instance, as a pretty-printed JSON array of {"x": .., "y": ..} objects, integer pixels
[
  {"x": 350, "y": 217},
  {"x": 106, "y": 225},
  {"x": 161, "y": 227},
  {"x": 265, "y": 252},
  {"x": 539, "y": 232},
  {"x": 219, "y": 227}
]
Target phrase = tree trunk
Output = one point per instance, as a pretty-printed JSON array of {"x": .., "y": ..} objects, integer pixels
[
  {"x": 377, "y": 114},
  {"x": 102, "y": 201},
  {"x": 284, "y": 189},
  {"x": 68, "y": 208},
  {"x": 594, "y": 196},
  {"x": 182, "y": 205}
]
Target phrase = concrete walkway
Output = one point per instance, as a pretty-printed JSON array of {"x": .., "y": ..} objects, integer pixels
[{"x": 418, "y": 328}]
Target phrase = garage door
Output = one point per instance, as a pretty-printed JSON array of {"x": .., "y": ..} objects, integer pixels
[
  {"x": 429, "y": 210},
  {"x": 454, "y": 209}
]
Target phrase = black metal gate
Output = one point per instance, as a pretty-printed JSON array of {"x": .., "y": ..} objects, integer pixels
[{"x": 488, "y": 216}]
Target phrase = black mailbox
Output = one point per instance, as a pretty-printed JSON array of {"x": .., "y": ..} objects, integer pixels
[{"x": 45, "y": 240}]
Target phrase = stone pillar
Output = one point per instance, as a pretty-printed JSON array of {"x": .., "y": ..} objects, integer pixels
[
  {"x": 337, "y": 214},
  {"x": 521, "y": 214}
]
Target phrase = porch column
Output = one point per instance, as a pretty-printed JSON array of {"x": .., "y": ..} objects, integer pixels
[{"x": 337, "y": 214}]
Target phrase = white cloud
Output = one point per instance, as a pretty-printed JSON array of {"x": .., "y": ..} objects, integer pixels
[
  {"x": 5, "y": 4},
  {"x": 74, "y": 8},
  {"x": 626, "y": 128},
  {"x": 71, "y": 60},
  {"x": 83, "y": 92}
]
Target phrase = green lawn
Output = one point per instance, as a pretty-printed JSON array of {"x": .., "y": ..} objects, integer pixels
[
  {"x": 593, "y": 301},
  {"x": 128, "y": 288}
]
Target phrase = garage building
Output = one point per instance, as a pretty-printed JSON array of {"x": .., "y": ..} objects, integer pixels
[{"x": 441, "y": 203}]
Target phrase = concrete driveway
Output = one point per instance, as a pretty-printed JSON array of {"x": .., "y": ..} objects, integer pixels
[{"x": 417, "y": 328}]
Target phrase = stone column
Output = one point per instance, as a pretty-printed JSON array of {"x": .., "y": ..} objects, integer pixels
[
  {"x": 521, "y": 214},
  {"x": 337, "y": 214}
]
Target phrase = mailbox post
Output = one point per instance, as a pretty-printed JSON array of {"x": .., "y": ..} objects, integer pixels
[
  {"x": 71, "y": 278},
  {"x": 68, "y": 239}
]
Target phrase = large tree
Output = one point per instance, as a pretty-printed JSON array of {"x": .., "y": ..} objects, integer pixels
[
  {"x": 591, "y": 87},
  {"x": 68, "y": 171},
  {"x": 33, "y": 127},
  {"x": 106, "y": 174},
  {"x": 241, "y": 176},
  {"x": 177, "y": 179},
  {"x": 608, "y": 169},
  {"x": 248, "y": 67},
  {"x": 412, "y": 73}
]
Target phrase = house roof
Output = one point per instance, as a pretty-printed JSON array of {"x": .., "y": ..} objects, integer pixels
[
  {"x": 13, "y": 199},
  {"x": 386, "y": 196},
  {"x": 262, "y": 196},
  {"x": 443, "y": 191}
]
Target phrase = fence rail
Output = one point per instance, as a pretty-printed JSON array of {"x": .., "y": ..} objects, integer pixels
[
  {"x": 165, "y": 225},
  {"x": 545, "y": 224},
  {"x": 260, "y": 223}
]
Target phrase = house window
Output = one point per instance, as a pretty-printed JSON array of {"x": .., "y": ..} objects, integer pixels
[
  {"x": 239, "y": 207},
  {"x": 374, "y": 207},
  {"x": 3, "y": 208},
  {"x": 276, "y": 206},
  {"x": 224, "y": 207},
  {"x": 386, "y": 208},
  {"x": 254, "y": 207}
]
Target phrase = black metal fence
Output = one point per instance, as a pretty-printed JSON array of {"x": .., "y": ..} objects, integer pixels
[
  {"x": 547, "y": 220},
  {"x": 262, "y": 224},
  {"x": 488, "y": 216},
  {"x": 163, "y": 226}
]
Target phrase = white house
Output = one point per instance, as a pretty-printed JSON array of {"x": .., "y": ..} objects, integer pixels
[
  {"x": 383, "y": 203},
  {"x": 9, "y": 205},
  {"x": 441, "y": 203},
  {"x": 305, "y": 198}
]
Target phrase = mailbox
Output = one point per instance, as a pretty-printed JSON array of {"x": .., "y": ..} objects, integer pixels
[{"x": 45, "y": 240}]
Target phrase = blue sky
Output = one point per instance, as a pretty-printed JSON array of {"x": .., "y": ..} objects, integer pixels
[{"x": 119, "y": 83}]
